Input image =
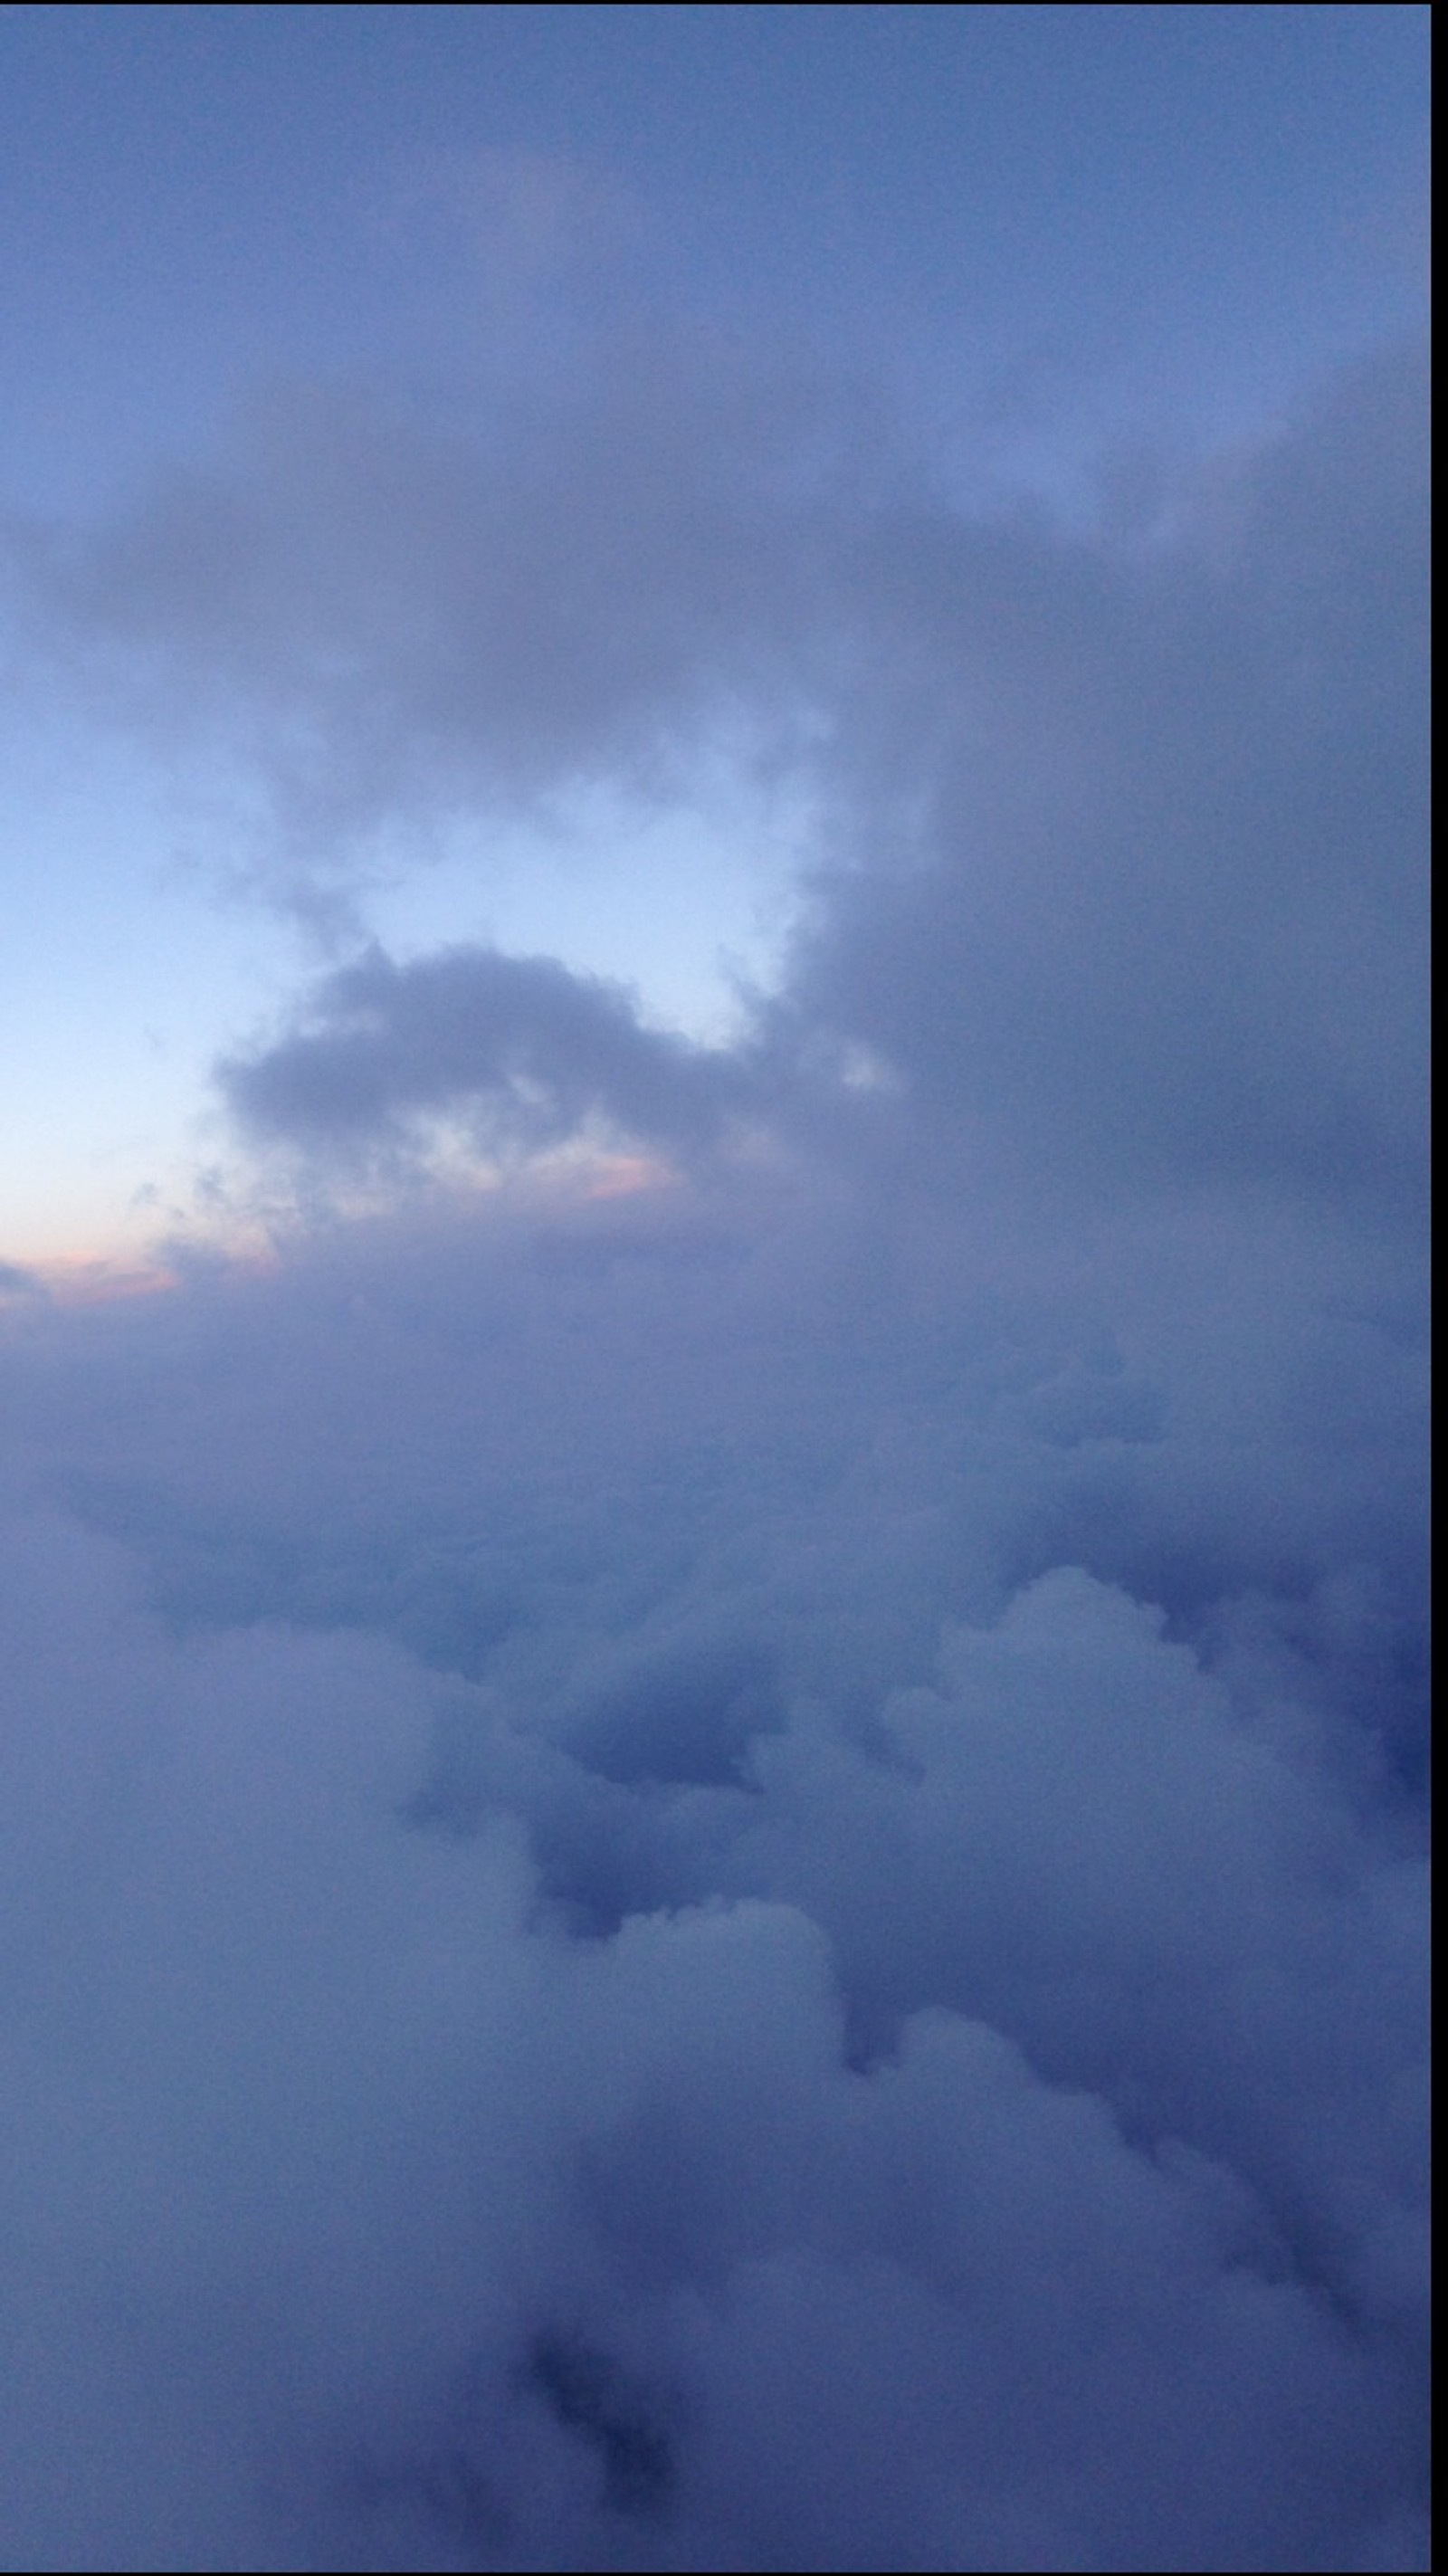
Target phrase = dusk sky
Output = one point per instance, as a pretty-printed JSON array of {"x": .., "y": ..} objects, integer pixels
[
  {"x": 1049, "y": 257},
  {"x": 712, "y": 1303}
]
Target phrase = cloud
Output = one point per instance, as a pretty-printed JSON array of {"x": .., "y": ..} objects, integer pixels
[
  {"x": 733, "y": 1876},
  {"x": 365, "y": 617},
  {"x": 364, "y": 2213},
  {"x": 524, "y": 1048},
  {"x": 16, "y": 1281},
  {"x": 1117, "y": 865},
  {"x": 1132, "y": 885}
]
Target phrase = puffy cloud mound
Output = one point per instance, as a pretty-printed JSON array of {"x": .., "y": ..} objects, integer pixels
[
  {"x": 730, "y": 1874},
  {"x": 1002, "y": 2149}
]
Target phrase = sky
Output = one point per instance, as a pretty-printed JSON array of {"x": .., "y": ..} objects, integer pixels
[
  {"x": 712, "y": 1302},
  {"x": 1049, "y": 256}
]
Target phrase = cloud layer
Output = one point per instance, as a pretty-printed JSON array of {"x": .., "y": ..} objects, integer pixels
[{"x": 730, "y": 1875}]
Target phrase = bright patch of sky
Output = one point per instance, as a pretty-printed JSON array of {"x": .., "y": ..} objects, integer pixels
[
  {"x": 118, "y": 967},
  {"x": 687, "y": 904}
]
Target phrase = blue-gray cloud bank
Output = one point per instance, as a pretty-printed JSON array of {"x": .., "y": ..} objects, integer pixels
[{"x": 729, "y": 1875}]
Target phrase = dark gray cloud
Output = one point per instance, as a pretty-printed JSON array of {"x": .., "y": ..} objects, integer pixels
[
  {"x": 1147, "y": 909},
  {"x": 527, "y": 1052},
  {"x": 377, "y": 615},
  {"x": 733, "y": 1876}
]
